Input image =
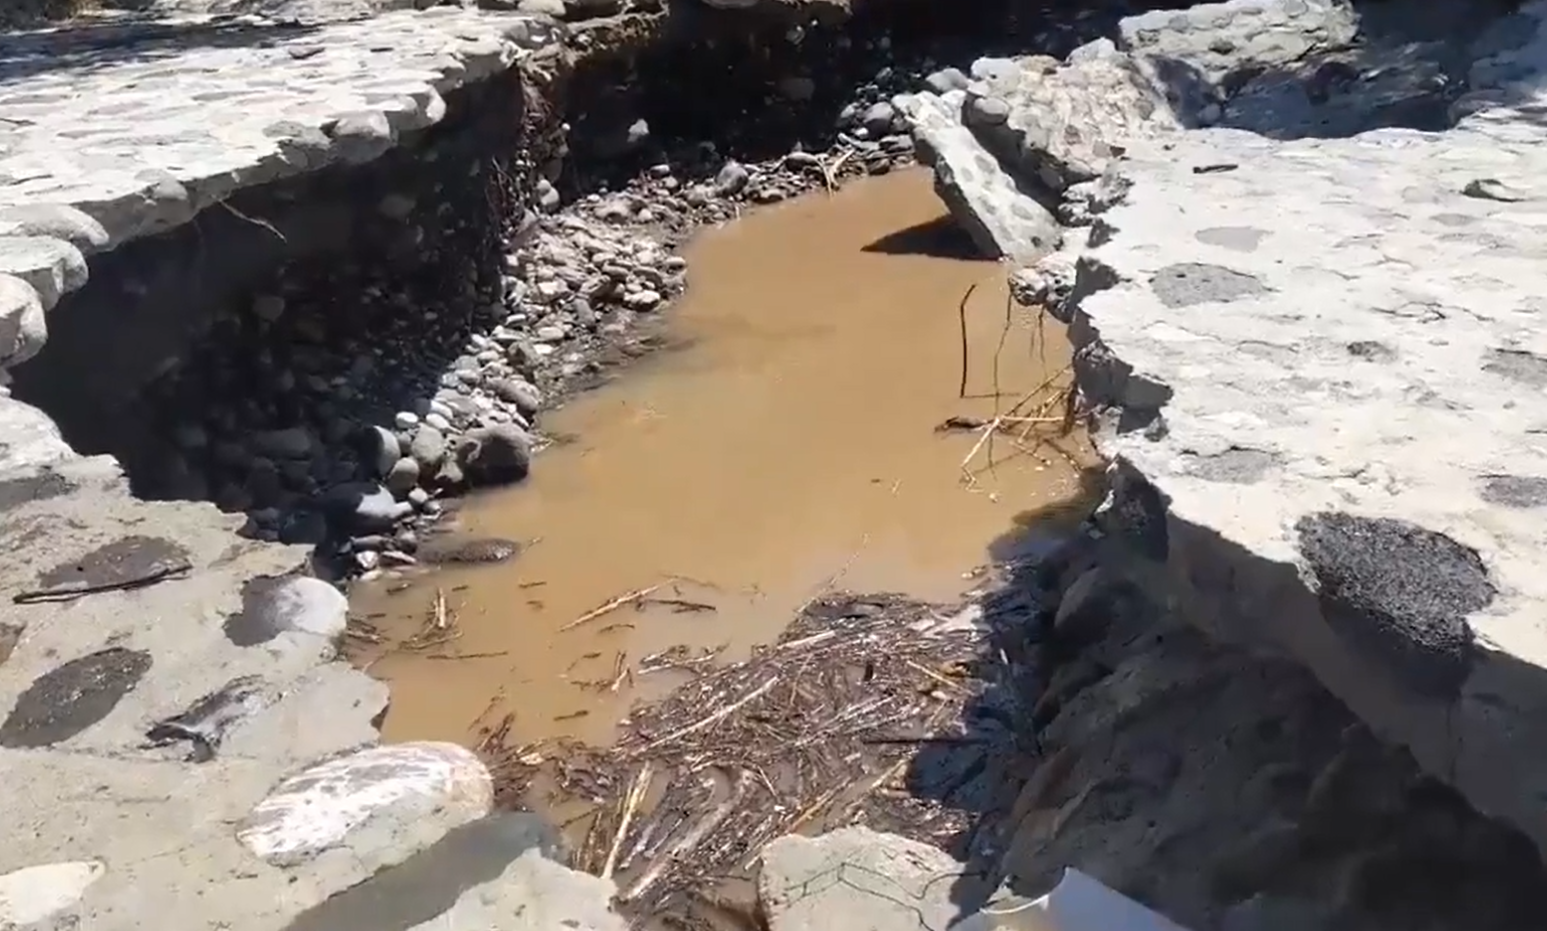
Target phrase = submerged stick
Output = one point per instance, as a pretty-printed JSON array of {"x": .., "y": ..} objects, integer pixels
[
  {"x": 610, "y": 606},
  {"x": 961, "y": 315},
  {"x": 631, "y": 803}
]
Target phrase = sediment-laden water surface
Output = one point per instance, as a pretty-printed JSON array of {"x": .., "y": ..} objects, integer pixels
[{"x": 799, "y": 440}]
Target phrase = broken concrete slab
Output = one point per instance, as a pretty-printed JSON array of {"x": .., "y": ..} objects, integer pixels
[
  {"x": 980, "y": 193},
  {"x": 1006, "y": 147},
  {"x": 857, "y": 879},
  {"x": 1324, "y": 420}
]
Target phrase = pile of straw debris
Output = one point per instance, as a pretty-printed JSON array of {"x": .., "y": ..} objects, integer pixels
[{"x": 875, "y": 710}]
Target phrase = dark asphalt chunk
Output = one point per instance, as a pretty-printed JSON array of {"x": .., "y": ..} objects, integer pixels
[
  {"x": 205, "y": 723},
  {"x": 15, "y": 492},
  {"x": 67, "y": 700},
  {"x": 132, "y": 562},
  {"x": 257, "y": 622},
  {"x": 427, "y": 884},
  {"x": 1400, "y": 594}
]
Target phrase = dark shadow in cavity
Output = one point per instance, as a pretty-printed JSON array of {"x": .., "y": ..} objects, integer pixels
[
  {"x": 940, "y": 238},
  {"x": 972, "y": 768},
  {"x": 427, "y": 884},
  {"x": 715, "y": 76},
  {"x": 168, "y": 359},
  {"x": 72, "y": 697},
  {"x": 1430, "y": 859}
]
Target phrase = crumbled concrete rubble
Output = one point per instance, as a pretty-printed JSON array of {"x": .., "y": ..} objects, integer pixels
[{"x": 1321, "y": 422}]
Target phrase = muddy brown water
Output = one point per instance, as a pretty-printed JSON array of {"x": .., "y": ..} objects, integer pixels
[{"x": 790, "y": 447}]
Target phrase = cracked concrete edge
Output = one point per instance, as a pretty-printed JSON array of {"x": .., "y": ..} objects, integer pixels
[{"x": 1482, "y": 737}]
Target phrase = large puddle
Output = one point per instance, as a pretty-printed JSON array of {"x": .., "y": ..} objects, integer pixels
[{"x": 794, "y": 445}]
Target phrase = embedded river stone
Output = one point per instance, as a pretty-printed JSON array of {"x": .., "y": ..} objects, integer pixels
[
  {"x": 392, "y": 800},
  {"x": 33, "y": 894},
  {"x": 473, "y": 552},
  {"x": 207, "y": 720},
  {"x": 1515, "y": 491},
  {"x": 70, "y": 698},
  {"x": 301, "y": 605}
]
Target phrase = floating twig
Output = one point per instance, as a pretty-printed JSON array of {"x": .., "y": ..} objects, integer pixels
[{"x": 611, "y": 606}]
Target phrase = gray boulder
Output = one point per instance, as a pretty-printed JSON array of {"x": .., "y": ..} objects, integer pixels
[
  {"x": 858, "y": 880},
  {"x": 496, "y": 454}
]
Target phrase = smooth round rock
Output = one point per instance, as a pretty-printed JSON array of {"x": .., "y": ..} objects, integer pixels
[
  {"x": 23, "y": 329},
  {"x": 296, "y": 605},
  {"x": 383, "y": 448},
  {"x": 399, "y": 798}
]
